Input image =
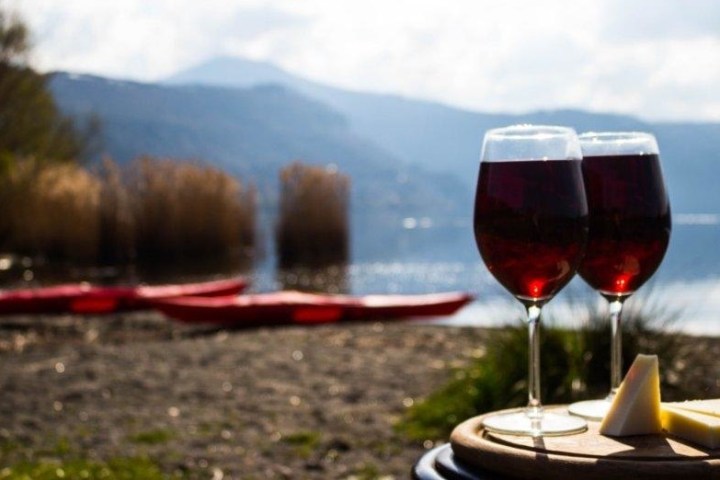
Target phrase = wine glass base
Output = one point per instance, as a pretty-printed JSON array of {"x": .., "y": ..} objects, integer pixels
[
  {"x": 546, "y": 425},
  {"x": 591, "y": 409}
]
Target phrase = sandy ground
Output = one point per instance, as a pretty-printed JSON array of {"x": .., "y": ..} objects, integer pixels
[{"x": 290, "y": 402}]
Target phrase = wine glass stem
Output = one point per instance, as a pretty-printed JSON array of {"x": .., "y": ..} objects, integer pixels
[
  {"x": 534, "y": 408},
  {"x": 616, "y": 307}
]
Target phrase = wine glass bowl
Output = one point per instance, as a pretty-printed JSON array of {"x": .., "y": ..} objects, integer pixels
[
  {"x": 629, "y": 211},
  {"x": 630, "y": 223},
  {"x": 530, "y": 223}
]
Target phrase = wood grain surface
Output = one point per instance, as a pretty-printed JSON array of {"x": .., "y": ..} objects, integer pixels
[{"x": 584, "y": 456}]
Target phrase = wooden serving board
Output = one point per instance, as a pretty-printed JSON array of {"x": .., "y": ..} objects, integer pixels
[{"x": 584, "y": 456}]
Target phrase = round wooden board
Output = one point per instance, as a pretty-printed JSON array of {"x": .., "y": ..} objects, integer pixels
[{"x": 584, "y": 456}]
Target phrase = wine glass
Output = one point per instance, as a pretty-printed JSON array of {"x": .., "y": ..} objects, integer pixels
[
  {"x": 531, "y": 227},
  {"x": 629, "y": 214}
]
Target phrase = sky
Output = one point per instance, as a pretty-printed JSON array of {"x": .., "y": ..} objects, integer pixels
[{"x": 655, "y": 59}]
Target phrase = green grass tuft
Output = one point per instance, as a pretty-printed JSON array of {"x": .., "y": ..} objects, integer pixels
[
  {"x": 367, "y": 471},
  {"x": 496, "y": 381},
  {"x": 80, "y": 469},
  {"x": 574, "y": 366},
  {"x": 303, "y": 442}
]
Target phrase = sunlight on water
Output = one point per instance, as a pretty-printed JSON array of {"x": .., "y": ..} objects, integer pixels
[
  {"x": 696, "y": 219},
  {"x": 417, "y": 277},
  {"x": 699, "y": 302},
  {"x": 694, "y": 303}
]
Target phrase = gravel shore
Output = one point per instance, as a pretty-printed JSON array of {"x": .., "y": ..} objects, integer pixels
[
  {"x": 316, "y": 403},
  {"x": 308, "y": 403}
]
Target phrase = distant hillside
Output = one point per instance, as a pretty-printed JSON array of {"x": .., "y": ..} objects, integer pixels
[
  {"x": 448, "y": 140},
  {"x": 253, "y": 133}
]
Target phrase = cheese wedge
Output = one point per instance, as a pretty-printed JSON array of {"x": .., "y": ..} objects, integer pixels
[
  {"x": 695, "y": 427},
  {"x": 635, "y": 410},
  {"x": 708, "y": 407}
]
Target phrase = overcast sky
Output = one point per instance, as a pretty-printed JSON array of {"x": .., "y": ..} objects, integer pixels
[{"x": 657, "y": 59}]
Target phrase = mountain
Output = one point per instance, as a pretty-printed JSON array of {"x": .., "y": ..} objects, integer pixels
[
  {"x": 244, "y": 73},
  {"x": 253, "y": 133},
  {"x": 448, "y": 140}
]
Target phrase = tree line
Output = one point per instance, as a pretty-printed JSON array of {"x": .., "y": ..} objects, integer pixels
[{"x": 31, "y": 124}]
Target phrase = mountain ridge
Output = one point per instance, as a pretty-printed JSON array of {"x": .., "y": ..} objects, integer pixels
[
  {"x": 251, "y": 133},
  {"x": 448, "y": 140},
  {"x": 410, "y": 157}
]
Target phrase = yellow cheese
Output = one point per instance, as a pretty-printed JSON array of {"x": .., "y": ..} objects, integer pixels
[
  {"x": 635, "y": 410},
  {"x": 695, "y": 427},
  {"x": 708, "y": 407}
]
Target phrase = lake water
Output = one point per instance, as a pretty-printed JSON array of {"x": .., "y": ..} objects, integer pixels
[{"x": 417, "y": 256}]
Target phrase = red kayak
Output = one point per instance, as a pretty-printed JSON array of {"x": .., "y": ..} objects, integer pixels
[
  {"x": 85, "y": 298},
  {"x": 290, "y": 307}
]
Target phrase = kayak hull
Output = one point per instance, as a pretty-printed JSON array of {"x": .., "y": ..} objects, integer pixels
[
  {"x": 89, "y": 299},
  {"x": 296, "y": 308}
]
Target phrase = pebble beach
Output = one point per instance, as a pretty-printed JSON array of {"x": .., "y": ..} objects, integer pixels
[{"x": 316, "y": 403}]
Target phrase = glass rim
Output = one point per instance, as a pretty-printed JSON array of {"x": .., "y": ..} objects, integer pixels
[
  {"x": 530, "y": 142},
  {"x": 527, "y": 131},
  {"x": 608, "y": 143},
  {"x": 619, "y": 136}
]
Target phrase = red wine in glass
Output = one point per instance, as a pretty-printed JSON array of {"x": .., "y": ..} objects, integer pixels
[
  {"x": 630, "y": 228},
  {"x": 629, "y": 232},
  {"x": 530, "y": 226}
]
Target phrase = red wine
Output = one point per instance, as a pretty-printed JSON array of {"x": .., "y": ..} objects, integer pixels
[
  {"x": 629, "y": 215},
  {"x": 531, "y": 224}
]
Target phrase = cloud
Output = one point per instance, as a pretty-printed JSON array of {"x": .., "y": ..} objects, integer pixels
[
  {"x": 144, "y": 40},
  {"x": 248, "y": 23},
  {"x": 652, "y": 20},
  {"x": 658, "y": 60}
]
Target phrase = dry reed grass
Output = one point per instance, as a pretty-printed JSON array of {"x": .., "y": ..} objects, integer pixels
[
  {"x": 154, "y": 210},
  {"x": 53, "y": 209},
  {"x": 184, "y": 210},
  {"x": 117, "y": 222},
  {"x": 313, "y": 224}
]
